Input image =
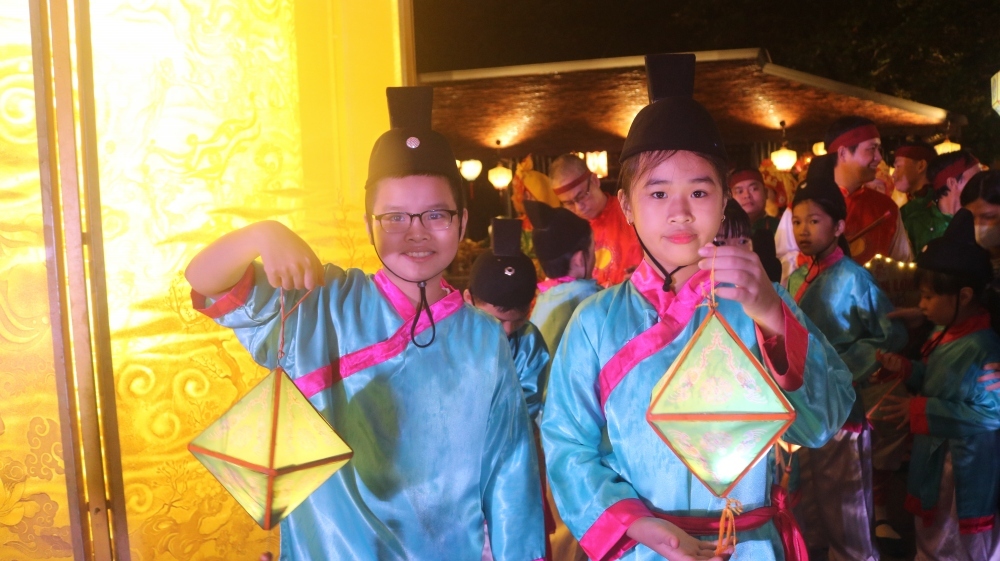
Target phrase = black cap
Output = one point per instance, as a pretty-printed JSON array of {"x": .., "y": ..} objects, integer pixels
[
  {"x": 957, "y": 253},
  {"x": 504, "y": 276},
  {"x": 410, "y": 147},
  {"x": 555, "y": 231},
  {"x": 673, "y": 120},
  {"x": 821, "y": 187}
]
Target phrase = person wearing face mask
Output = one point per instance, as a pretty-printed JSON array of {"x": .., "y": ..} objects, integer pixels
[{"x": 981, "y": 197}]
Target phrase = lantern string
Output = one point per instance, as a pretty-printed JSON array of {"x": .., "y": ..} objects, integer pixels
[
  {"x": 710, "y": 296},
  {"x": 284, "y": 318},
  {"x": 727, "y": 526}
]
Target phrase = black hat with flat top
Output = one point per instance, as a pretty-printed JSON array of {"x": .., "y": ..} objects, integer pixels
[
  {"x": 555, "y": 231},
  {"x": 673, "y": 120},
  {"x": 410, "y": 146},
  {"x": 503, "y": 275},
  {"x": 956, "y": 253}
]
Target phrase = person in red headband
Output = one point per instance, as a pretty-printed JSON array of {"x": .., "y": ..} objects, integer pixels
[
  {"x": 748, "y": 190},
  {"x": 921, "y": 217},
  {"x": 874, "y": 225},
  {"x": 948, "y": 174},
  {"x": 616, "y": 251}
]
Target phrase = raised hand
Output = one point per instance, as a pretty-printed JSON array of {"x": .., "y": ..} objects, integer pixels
[
  {"x": 992, "y": 376},
  {"x": 751, "y": 287}
]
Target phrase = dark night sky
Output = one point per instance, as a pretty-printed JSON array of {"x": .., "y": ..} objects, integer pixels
[{"x": 939, "y": 52}]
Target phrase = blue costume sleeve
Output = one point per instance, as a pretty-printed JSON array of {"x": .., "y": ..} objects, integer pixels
[
  {"x": 512, "y": 495},
  {"x": 963, "y": 413},
  {"x": 531, "y": 361},
  {"x": 875, "y": 331},
  {"x": 826, "y": 396}
]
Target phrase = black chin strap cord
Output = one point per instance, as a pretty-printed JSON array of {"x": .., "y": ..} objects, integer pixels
[
  {"x": 667, "y": 277},
  {"x": 422, "y": 306}
]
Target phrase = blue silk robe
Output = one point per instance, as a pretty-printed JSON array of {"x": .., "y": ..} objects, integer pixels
[
  {"x": 531, "y": 360},
  {"x": 555, "y": 305},
  {"x": 606, "y": 465},
  {"x": 440, "y": 435},
  {"x": 953, "y": 411}
]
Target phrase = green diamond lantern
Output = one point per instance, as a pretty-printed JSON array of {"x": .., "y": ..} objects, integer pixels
[
  {"x": 717, "y": 408},
  {"x": 270, "y": 476}
]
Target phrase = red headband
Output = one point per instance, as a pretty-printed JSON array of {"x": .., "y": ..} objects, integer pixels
[
  {"x": 916, "y": 153},
  {"x": 572, "y": 184},
  {"x": 853, "y": 137},
  {"x": 953, "y": 171},
  {"x": 744, "y": 175}
]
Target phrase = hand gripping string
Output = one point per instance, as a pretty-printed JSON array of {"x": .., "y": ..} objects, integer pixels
[{"x": 284, "y": 318}]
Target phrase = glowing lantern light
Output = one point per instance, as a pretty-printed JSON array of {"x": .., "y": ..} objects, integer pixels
[
  {"x": 270, "y": 478},
  {"x": 470, "y": 169},
  {"x": 597, "y": 162},
  {"x": 784, "y": 158},
  {"x": 500, "y": 177},
  {"x": 717, "y": 408},
  {"x": 947, "y": 146},
  {"x": 819, "y": 148}
]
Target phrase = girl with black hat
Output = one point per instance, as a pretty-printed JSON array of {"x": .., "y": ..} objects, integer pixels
[
  {"x": 386, "y": 359},
  {"x": 619, "y": 488},
  {"x": 954, "y": 476}
]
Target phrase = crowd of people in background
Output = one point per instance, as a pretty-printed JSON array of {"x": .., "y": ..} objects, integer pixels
[{"x": 507, "y": 420}]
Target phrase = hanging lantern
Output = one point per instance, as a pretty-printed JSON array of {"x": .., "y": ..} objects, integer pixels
[
  {"x": 819, "y": 148},
  {"x": 470, "y": 169},
  {"x": 249, "y": 452},
  {"x": 597, "y": 162},
  {"x": 947, "y": 146},
  {"x": 500, "y": 177},
  {"x": 717, "y": 408},
  {"x": 784, "y": 158}
]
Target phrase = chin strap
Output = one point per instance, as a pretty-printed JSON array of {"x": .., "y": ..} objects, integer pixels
[
  {"x": 422, "y": 306},
  {"x": 667, "y": 277}
]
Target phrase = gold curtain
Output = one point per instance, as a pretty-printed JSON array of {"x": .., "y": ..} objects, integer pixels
[
  {"x": 34, "y": 520},
  {"x": 209, "y": 116}
]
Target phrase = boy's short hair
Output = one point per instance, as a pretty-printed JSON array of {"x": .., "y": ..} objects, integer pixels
[
  {"x": 736, "y": 223},
  {"x": 559, "y": 266}
]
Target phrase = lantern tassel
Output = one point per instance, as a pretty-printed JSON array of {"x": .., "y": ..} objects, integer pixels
[{"x": 727, "y": 526}]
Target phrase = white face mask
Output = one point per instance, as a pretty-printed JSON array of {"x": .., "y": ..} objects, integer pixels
[{"x": 988, "y": 237}]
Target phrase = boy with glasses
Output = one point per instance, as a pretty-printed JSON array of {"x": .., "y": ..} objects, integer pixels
[
  {"x": 616, "y": 250},
  {"x": 439, "y": 454}
]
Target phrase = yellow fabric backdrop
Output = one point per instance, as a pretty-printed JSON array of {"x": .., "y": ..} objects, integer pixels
[
  {"x": 34, "y": 521},
  {"x": 210, "y": 116}
]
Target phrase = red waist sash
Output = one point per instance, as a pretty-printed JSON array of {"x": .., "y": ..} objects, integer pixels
[{"x": 780, "y": 512}]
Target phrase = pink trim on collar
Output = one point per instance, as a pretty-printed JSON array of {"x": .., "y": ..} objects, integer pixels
[
  {"x": 552, "y": 283},
  {"x": 352, "y": 363},
  {"x": 675, "y": 311}
]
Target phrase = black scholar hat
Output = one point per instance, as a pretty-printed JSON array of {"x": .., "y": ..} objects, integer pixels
[
  {"x": 410, "y": 147},
  {"x": 957, "y": 253},
  {"x": 503, "y": 275},
  {"x": 556, "y": 231},
  {"x": 673, "y": 120}
]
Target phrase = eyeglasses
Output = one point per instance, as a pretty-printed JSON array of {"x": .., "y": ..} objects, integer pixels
[
  {"x": 399, "y": 222},
  {"x": 580, "y": 197}
]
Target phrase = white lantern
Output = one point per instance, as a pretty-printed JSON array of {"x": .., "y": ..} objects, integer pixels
[
  {"x": 947, "y": 146},
  {"x": 784, "y": 158},
  {"x": 470, "y": 169},
  {"x": 819, "y": 148},
  {"x": 597, "y": 162},
  {"x": 500, "y": 177}
]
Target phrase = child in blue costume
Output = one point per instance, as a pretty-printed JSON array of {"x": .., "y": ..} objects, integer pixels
[
  {"x": 502, "y": 284},
  {"x": 844, "y": 301},
  {"x": 619, "y": 488},
  {"x": 954, "y": 479},
  {"x": 564, "y": 245},
  {"x": 386, "y": 359}
]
